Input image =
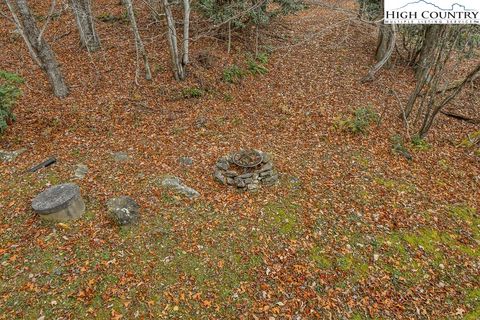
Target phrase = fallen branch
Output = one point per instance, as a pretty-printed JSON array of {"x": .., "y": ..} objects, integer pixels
[{"x": 460, "y": 117}]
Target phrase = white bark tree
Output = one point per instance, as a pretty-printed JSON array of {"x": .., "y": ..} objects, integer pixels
[
  {"x": 82, "y": 9},
  {"x": 138, "y": 42},
  {"x": 39, "y": 49},
  {"x": 179, "y": 59}
]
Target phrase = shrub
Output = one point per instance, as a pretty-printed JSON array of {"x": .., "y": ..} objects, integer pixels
[
  {"x": 232, "y": 74},
  {"x": 9, "y": 92},
  {"x": 256, "y": 68},
  {"x": 360, "y": 121},
  {"x": 472, "y": 141},
  {"x": 193, "y": 92},
  {"x": 263, "y": 57},
  {"x": 239, "y": 14},
  {"x": 420, "y": 143}
]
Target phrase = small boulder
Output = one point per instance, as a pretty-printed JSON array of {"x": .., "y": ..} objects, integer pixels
[
  {"x": 80, "y": 171},
  {"x": 8, "y": 156},
  {"x": 185, "y": 161},
  {"x": 175, "y": 184},
  {"x": 123, "y": 210},
  {"x": 120, "y": 156}
]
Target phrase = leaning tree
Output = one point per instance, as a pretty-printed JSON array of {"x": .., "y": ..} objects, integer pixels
[{"x": 38, "y": 47}]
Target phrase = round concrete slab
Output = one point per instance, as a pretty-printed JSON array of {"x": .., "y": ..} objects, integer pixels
[{"x": 61, "y": 202}]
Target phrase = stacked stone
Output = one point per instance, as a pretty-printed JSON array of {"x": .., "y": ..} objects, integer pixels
[{"x": 228, "y": 173}]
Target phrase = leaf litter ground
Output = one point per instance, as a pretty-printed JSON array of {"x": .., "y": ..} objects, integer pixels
[{"x": 351, "y": 231}]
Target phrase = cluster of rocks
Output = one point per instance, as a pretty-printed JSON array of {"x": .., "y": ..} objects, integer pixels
[
  {"x": 246, "y": 170},
  {"x": 227, "y": 172}
]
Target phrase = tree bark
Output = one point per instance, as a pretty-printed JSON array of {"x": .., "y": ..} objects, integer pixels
[
  {"x": 138, "y": 41},
  {"x": 178, "y": 66},
  {"x": 39, "y": 49},
  {"x": 186, "y": 31},
  {"x": 433, "y": 33},
  {"x": 82, "y": 10},
  {"x": 385, "y": 56},
  {"x": 385, "y": 38}
]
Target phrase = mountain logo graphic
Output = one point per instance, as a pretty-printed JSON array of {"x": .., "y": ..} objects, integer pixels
[
  {"x": 452, "y": 7},
  {"x": 432, "y": 12}
]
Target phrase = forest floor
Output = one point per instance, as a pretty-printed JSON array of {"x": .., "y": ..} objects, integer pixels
[{"x": 351, "y": 231}]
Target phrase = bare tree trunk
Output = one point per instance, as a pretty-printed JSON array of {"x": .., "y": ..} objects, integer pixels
[
  {"x": 186, "y": 30},
  {"x": 385, "y": 38},
  {"x": 138, "y": 41},
  {"x": 39, "y": 49},
  {"x": 385, "y": 57},
  {"x": 426, "y": 62},
  {"x": 432, "y": 34},
  {"x": 428, "y": 121},
  {"x": 82, "y": 10},
  {"x": 179, "y": 61}
]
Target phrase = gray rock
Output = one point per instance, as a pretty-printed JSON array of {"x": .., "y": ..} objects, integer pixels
[
  {"x": 266, "y": 174},
  {"x": 201, "y": 122},
  {"x": 8, "y": 156},
  {"x": 231, "y": 173},
  {"x": 246, "y": 175},
  {"x": 266, "y": 157},
  {"x": 252, "y": 186},
  {"x": 59, "y": 203},
  {"x": 81, "y": 171},
  {"x": 120, "y": 156},
  {"x": 270, "y": 180},
  {"x": 230, "y": 181},
  {"x": 123, "y": 210},
  {"x": 219, "y": 177},
  {"x": 185, "y": 161},
  {"x": 266, "y": 167},
  {"x": 240, "y": 183},
  {"x": 223, "y": 164},
  {"x": 175, "y": 184}
]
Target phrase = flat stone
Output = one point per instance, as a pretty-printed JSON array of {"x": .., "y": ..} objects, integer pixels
[
  {"x": 8, "y": 156},
  {"x": 175, "y": 184},
  {"x": 231, "y": 173},
  {"x": 266, "y": 174},
  {"x": 252, "y": 186},
  {"x": 271, "y": 180},
  {"x": 223, "y": 164},
  {"x": 240, "y": 183},
  {"x": 185, "y": 161},
  {"x": 80, "y": 171},
  {"x": 59, "y": 203},
  {"x": 201, "y": 122},
  {"x": 246, "y": 175},
  {"x": 219, "y": 177},
  {"x": 230, "y": 181},
  {"x": 123, "y": 210},
  {"x": 266, "y": 167},
  {"x": 266, "y": 157},
  {"x": 120, "y": 156}
]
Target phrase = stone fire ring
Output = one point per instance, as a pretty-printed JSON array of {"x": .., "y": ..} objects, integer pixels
[
  {"x": 228, "y": 172},
  {"x": 62, "y": 202}
]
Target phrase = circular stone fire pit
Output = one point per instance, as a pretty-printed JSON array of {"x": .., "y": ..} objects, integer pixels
[{"x": 246, "y": 170}]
